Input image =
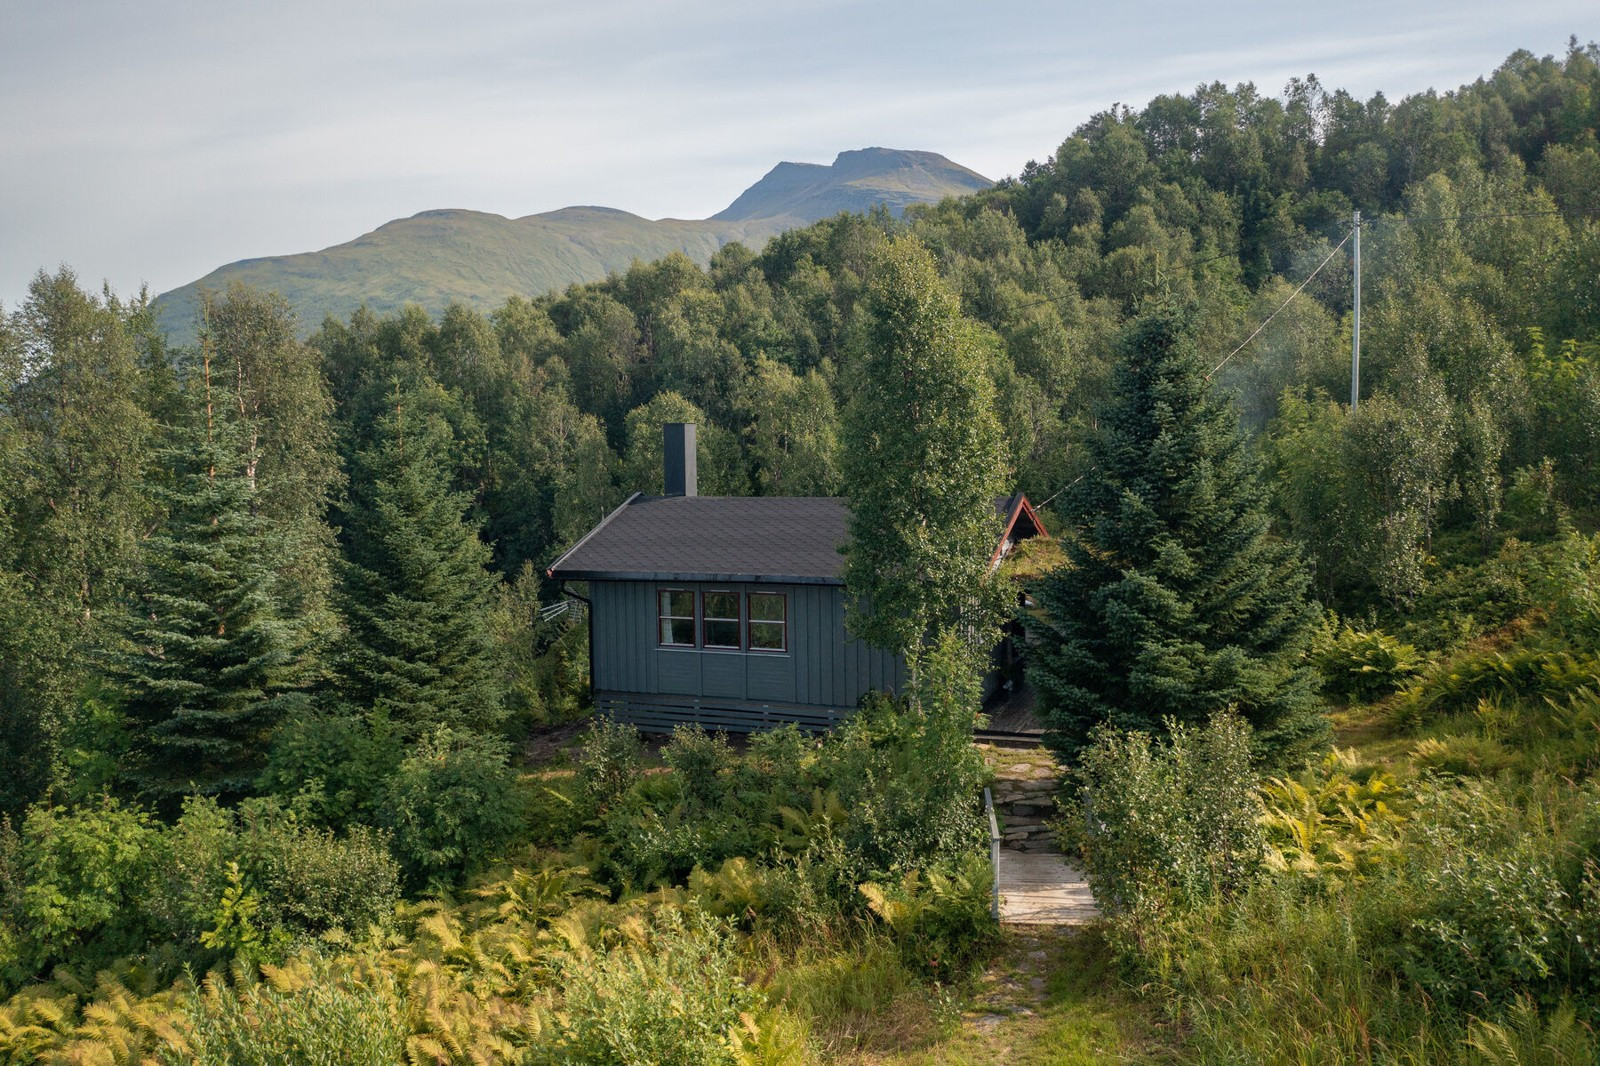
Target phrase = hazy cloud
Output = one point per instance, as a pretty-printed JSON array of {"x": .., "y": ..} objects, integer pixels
[{"x": 157, "y": 141}]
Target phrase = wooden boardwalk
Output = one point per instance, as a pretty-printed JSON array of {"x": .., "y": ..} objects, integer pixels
[{"x": 1043, "y": 888}]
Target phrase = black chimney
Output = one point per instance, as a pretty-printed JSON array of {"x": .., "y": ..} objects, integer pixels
[{"x": 678, "y": 451}]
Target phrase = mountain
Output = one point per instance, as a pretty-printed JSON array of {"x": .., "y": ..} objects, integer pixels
[{"x": 480, "y": 259}]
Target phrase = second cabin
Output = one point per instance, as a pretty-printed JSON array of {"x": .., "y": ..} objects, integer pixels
[{"x": 729, "y": 610}]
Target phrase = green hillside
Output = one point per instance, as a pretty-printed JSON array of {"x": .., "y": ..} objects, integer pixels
[{"x": 476, "y": 258}]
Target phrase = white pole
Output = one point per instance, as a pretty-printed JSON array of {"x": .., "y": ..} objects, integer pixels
[{"x": 1355, "y": 331}]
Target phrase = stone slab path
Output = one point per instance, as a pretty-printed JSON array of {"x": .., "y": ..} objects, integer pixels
[{"x": 1043, "y": 888}]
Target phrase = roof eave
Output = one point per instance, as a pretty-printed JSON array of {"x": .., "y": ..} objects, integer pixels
[{"x": 662, "y": 575}]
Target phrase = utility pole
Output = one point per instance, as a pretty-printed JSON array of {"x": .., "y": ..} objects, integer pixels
[{"x": 1355, "y": 330}]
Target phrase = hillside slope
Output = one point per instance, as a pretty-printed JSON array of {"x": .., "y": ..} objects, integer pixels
[{"x": 480, "y": 259}]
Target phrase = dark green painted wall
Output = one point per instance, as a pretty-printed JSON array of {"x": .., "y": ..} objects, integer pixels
[{"x": 823, "y": 668}]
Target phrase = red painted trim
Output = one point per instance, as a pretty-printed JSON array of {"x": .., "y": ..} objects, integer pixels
[
  {"x": 1018, "y": 509},
  {"x": 750, "y": 620},
  {"x": 694, "y": 617},
  {"x": 738, "y": 623}
]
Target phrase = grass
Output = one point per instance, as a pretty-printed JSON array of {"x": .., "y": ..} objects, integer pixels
[{"x": 1053, "y": 999}]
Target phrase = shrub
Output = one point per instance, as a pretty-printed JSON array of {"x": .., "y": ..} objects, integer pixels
[
  {"x": 941, "y": 921},
  {"x": 451, "y": 805},
  {"x": 1572, "y": 583},
  {"x": 312, "y": 881},
  {"x": 305, "y": 880},
  {"x": 1362, "y": 664},
  {"x": 1494, "y": 917},
  {"x": 909, "y": 777},
  {"x": 84, "y": 878},
  {"x": 332, "y": 765},
  {"x": 1533, "y": 504},
  {"x": 1177, "y": 817},
  {"x": 702, "y": 761},
  {"x": 328, "y": 1017},
  {"x": 608, "y": 762},
  {"x": 675, "y": 1000}
]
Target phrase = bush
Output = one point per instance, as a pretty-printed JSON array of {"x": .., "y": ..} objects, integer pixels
[
  {"x": 1494, "y": 919},
  {"x": 311, "y": 881},
  {"x": 1171, "y": 820},
  {"x": 327, "y": 1016},
  {"x": 304, "y": 880},
  {"x": 1362, "y": 664},
  {"x": 82, "y": 877},
  {"x": 703, "y": 763},
  {"x": 451, "y": 805},
  {"x": 907, "y": 771},
  {"x": 941, "y": 921},
  {"x": 608, "y": 762},
  {"x": 673, "y": 1001},
  {"x": 332, "y": 765}
]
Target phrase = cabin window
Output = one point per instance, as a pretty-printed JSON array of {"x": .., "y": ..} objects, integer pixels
[
  {"x": 721, "y": 626},
  {"x": 676, "y": 615},
  {"x": 769, "y": 621}
]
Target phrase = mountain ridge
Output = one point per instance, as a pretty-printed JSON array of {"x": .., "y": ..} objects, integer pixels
[{"x": 442, "y": 255}]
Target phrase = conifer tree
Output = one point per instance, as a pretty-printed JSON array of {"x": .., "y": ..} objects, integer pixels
[
  {"x": 417, "y": 594},
  {"x": 214, "y": 662},
  {"x": 1175, "y": 601}
]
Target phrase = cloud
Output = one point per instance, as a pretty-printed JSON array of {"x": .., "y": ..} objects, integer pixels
[{"x": 159, "y": 140}]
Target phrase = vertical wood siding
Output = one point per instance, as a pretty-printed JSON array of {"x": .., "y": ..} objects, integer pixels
[{"x": 822, "y": 668}]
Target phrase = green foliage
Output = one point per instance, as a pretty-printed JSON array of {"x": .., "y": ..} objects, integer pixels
[
  {"x": 940, "y": 921},
  {"x": 1337, "y": 820},
  {"x": 1459, "y": 683},
  {"x": 215, "y": 660},
  {"x": 333, "y": 764},
  {"x": 1494, "y": 914},
  {"x": 609, "y": 761},
  {"x": 416, "y": 594},
  {"x": 1170, "y": 822},
  {"x": 1527, "y": 1039},
  {"x": 908, "y": 774},
  {"x": 1363, "y": 665},
  {"x": 79, "y": 885},
  {"x": 703, "y": 763},
  {"x": 1174, "y": 601},
  {"x": 675, "y": 997},
  {"x": 546, "y": 662},
  {"x": 451, "y": 804},
  {"x": 329, "y": 1019},
  {"x": 924, "y": 462}
]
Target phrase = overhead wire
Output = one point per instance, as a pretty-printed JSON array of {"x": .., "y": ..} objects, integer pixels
[{"x": 1382, "y": 219}]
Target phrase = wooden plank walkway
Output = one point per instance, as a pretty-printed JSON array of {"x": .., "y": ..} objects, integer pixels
[{"x": 1043, "y": 888}]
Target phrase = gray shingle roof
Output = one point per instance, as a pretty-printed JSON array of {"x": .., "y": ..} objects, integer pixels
[{"x": 792, "y": 539}]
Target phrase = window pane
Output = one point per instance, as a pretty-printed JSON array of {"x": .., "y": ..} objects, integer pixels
[
  {"x": 722, "y": 605},
  {"x": 766, "y": 636},
  {"x": 722, "y": 632},
  {"x": 766, "y": 607},
  {"x": 676, "y": 617}
]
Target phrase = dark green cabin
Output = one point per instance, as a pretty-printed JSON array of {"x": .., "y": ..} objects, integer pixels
[{"x": 729, "y": 611}]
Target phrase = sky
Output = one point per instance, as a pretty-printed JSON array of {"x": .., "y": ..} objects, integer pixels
[{"x": 149, "y": 143}]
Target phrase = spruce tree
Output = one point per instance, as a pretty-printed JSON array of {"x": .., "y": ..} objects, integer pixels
[
  {"x": 1175, "y": 601},
  {"x": 213, "y": 662},
  {"x": 417, "y": 594}
]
